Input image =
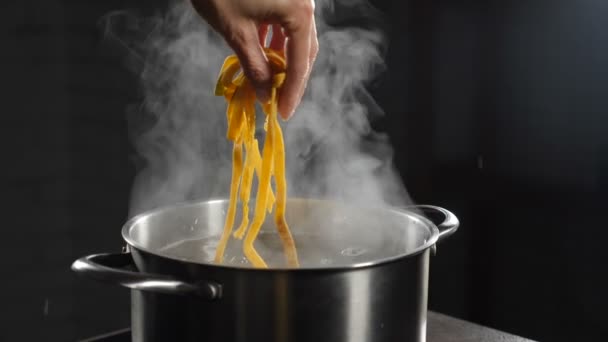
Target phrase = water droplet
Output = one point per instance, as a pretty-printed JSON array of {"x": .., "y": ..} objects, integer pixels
[
  {"x": 353, "y": 251},
  {"x": 480, "y": 162},
  {"x": 46, "y": 307},
  {"x": 196, "y": 221}
]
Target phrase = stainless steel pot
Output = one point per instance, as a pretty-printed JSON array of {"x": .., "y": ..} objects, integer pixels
[{"x": 363, "y": 275}]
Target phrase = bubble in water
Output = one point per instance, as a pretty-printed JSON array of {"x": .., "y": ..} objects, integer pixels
[
  {"x": 325, "y": 261},
  {"x": 353, "y": 251},
  {"x": 236, "y": 260},
  {"x": 209, "y": 249}
]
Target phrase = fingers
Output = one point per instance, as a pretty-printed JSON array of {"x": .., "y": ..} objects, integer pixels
[
  {"x": 314, "y": 46},
  {"x": 278, "y": 38},
  {"x": 298, "y": 31},
  {"x": 262, "y": 33},
  {"x": 244, "y": 40},
  {"x": 294, "y": 33}
]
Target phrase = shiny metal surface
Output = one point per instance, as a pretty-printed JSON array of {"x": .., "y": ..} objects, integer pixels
[
  {"x": 327, "y": 234},
  {"x": 376, "y": 296},
  {"x": 114, "y": 268},
  {"x": 381, "y": 303}
]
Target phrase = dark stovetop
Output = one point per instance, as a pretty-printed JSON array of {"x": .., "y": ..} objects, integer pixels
[{"x": 441, "y": 328}]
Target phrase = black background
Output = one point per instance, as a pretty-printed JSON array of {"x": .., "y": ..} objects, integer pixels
[{"x": 496, "y": 109}]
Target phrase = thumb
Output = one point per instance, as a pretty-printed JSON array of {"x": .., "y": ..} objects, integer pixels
[{"x": 244, "y": 40}]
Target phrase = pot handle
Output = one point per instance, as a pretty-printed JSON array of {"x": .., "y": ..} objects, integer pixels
[
  {"x": 446, "y": 222},
  {"x": 114, "y": 268}
]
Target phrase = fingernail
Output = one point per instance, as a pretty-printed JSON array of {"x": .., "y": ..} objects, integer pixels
[
  {"x": 295, "y": 107},
  {"x": 288, "y": 116},
  {"x": 293, "y": 111}
]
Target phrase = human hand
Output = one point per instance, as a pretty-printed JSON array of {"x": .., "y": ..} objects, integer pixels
[{"x": 244, "y": 25}]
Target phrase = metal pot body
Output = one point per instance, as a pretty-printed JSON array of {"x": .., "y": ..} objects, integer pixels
[
  {"x": 382, "y": 303},
  {"x": 363, "y": 275}
]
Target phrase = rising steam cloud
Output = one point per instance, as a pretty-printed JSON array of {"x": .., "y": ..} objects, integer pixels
[{"x": 178, "y": 131}]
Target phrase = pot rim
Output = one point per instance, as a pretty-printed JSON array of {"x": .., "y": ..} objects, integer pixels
[{"x": 434, "y": 236}]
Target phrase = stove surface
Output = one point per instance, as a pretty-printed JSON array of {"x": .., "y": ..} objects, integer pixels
[
  {"x": 123, "y": 335},
  {"x": 441, "y": 328}
]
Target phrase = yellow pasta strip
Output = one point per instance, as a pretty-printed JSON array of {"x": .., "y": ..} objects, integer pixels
[
  {"x": 240, "y": 114},
  {"x": 240, "y": 232},
  {"x": 258, "y": 170},
  {"x": 235, "y": 115},
  {"x": 247, "y": 177},
  {"x": 251, "y": 145},
  {"x": 289, "y": 245},
  {"x": 237, "y": 158},
  {"x": 229, "y": 69},
  {"x": 260, "y": 204},
  {"x": 250, "y": 113},
  {"x": 245, "y": 192}
]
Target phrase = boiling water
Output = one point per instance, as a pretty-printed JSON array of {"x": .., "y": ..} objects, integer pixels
[
  {"x": 313, "y": 251},
  {"x": 326, "y": 235}
]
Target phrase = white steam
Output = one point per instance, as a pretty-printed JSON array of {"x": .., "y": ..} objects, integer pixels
[{"x": 179, "y": 129}]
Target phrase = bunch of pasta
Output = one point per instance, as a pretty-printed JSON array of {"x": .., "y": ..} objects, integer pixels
[{"x": 240, "y": 96}]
